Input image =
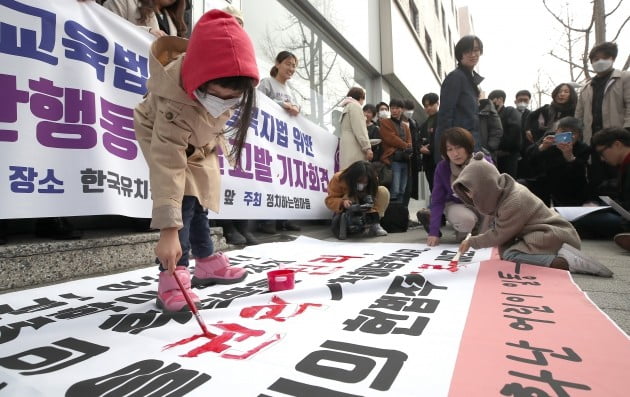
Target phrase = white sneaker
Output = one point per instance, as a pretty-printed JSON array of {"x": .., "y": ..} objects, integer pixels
[
  {"x": 377, "y": 230},
  {"x": 580, "y": 263}
]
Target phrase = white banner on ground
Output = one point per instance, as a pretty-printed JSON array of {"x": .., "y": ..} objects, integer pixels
[
  {"x": 363, "y": 320},
  {"x": 71, "y": 74}
]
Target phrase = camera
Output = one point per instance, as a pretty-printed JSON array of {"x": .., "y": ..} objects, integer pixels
[{"x": 355, "y": 219}]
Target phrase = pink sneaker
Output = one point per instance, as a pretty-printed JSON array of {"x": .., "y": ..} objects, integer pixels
[
  {"x": 215, "y": 269},
  {"x": 170, "y": 297}
]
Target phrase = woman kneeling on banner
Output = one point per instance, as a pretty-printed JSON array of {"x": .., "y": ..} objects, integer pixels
[
  {"x": 524, "y": 228},
  {"x": 456, "y": 146},
  {"x": 357, "y": 200},
  {"x": 194, "y": 87}
]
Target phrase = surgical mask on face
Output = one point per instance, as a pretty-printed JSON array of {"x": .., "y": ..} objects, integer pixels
[
  {"x": 521, "y": 106},
  {"x": 384, "y": 114},
  {"x": 361, "y": 186},
  {"x": 215, "y": 105},
  {"x": 602, "y": 65},
  {"x": 408, "y": 113}
]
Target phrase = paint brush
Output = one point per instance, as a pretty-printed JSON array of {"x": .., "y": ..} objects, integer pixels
[
  {"x": 193, "y": 308},
  {"x": 455, "y": 259}
]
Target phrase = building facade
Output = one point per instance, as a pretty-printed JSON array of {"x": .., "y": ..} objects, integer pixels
[{"x": 391, "y": 48}]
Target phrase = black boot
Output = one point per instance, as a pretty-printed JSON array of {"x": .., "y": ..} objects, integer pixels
[
  {"x": 3, "y": 231},
  {"x": 245, "y": 227},
  {"x": 232, "y": 235},
  {"x": 267, "y": 226},
  {"x": 289, "y": 225},
  {"x": 57, "y": 229}
]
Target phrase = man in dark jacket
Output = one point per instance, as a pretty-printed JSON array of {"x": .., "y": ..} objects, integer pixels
[
  {"x": 459, "y": 94},
  {"x": 490, "y": 128},
  {"x": 613, "y": 146},
  {"x": 414, "y": 128},
  {"x": 510, "y": 145},
  {"x": 560, "y": 167},
  {"x": 428, "y": 148}
]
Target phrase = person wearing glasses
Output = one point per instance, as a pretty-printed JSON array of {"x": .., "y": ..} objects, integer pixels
[
  {"x": 459, "y": 94},
  {"x": 612, "y": 145}
]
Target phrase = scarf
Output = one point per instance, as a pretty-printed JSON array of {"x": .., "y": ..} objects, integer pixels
[{"x": 456, "y": 169}]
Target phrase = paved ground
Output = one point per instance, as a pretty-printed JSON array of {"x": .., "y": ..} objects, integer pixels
[{"x": 611, "y": 295}]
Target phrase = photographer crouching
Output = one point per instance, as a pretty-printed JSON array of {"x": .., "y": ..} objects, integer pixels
[{"x": 357, "y": 200}]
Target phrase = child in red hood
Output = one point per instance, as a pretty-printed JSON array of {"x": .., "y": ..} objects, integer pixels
[{"x": 195, "y": 86}]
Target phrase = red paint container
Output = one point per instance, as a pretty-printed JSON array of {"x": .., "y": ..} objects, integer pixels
[{"x": 280, "y": 280}]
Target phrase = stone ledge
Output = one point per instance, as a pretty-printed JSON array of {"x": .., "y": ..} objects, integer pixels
[{"x": 35, "y": 263}]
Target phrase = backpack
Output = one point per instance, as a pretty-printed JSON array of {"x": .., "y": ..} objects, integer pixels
[{"x": 396, "y": 219}]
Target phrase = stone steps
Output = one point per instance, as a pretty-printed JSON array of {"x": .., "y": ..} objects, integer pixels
[{"x": 33, "y": 262}]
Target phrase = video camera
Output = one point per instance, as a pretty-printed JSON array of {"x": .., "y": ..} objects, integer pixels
[{"x": 355, "y": 219}]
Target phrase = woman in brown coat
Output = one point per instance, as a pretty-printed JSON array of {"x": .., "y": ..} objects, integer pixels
[
  {"x": 397, "y": 148},
  {"x": 351, "y": 186},
  {"x": 525, "y": 229}
]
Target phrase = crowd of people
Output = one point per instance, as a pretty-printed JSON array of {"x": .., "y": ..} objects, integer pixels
[
  {"x": 495, "y": 171},
  {"x": 567, "y": 153}
]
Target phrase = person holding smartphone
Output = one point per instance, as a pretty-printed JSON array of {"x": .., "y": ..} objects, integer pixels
[{"x": 558, "y": 162}]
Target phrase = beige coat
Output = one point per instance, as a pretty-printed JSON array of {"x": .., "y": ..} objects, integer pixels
[
  {"x": 354, "y": 139},
  {"x": 615, "y": 108},
  {"x": 128, "y": 9},
  {"x": 522, "y": 221},
  {"x": 178, "y": 138}
]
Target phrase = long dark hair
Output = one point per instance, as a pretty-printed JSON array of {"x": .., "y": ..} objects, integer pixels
[
  {"x": 559, "y": 110},
  {"x": 356, "y": 171},
  {"x": 282, "y": 55},
  {"x": 176, "y": 11},
  {"x": 247, "y": 86}
]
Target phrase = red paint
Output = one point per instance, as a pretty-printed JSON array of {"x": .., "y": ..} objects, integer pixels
[
  {"x": 220, "y": 343},
  {"x": 253, "y": 351},
  {"x": 451, "y": 267}
]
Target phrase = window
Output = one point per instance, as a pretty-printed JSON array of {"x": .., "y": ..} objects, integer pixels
[
  {"x": 437, "y": 8},
  {"x": 323, "y": 76},
  {"x": 439, "y": 65},
  {"x": 444, "y": 22},
  {"x": 428, "y": 45},
  {"x": 450, "y": 41},
  {"x": 415, "y": 16}
]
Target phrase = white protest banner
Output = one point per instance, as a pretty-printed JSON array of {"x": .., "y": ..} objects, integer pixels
[
  {"x": 379, "y": 319},
  {"x": 71, "y": 74}
]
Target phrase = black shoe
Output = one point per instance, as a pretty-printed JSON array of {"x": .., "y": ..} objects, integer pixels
[
  {"x": 268, "y": 227},
  {"x": 57, "y": 229},
  {"x": 250, "y": 239},
  {"x": 424, "y": 218},
  {"x": 234, "y": 237},
  {"x": 288, "y": 225}
]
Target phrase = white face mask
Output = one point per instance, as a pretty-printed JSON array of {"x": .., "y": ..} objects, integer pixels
[
  {"x": 521, "y": 106},
  {"x": 215, "y": 105},
  {"x": 384, "y": 114},
  {"x": 361, "y": 186},
  {"x": 602, "y": 65},
  {"x": 408, "y": 113}
]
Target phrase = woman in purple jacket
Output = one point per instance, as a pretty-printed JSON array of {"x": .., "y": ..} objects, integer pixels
[{"x": 456, "y": 146}]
